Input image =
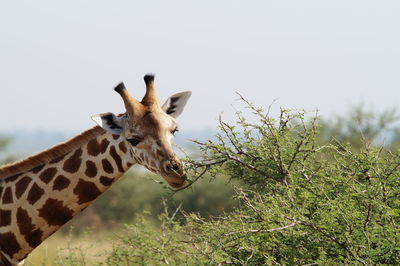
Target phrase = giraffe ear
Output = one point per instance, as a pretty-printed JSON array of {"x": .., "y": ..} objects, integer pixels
[
  {"x": 110, "y": 122},
  {"x": 175, "y": 104}
]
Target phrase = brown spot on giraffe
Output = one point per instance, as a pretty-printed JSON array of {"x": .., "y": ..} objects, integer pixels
[
  {"x": 47, "y": 175},
  {"x": 5, "y": 217},
  {"x": 93, "y": 147},
  {"x": 7, "y": 196},
  {"x": 21, "y": 185},
  {"x": 104, "y": 145},
  {"x": 106, "y": 181},
  {"x": 37, "y": 169},
  {"x": 24, "y": 221},
  {"x": 117, "y": 158},
  {"x": 34, "y": 238},
  {"x": 12, "y": 178},
  {"x": 73, "y": 163},
  {"x": 115, "y": 136},
  {"x": 35, "y": 193},
  {"x": 58, "y": 159},
  {"x": 86, "y": 191},
  {"x": 122, "y": 147},
  {"x": 9, "y": 244},
  {"x": 91, "y": 169},
  {"x": 60, "y": 183},
  {"x": 55, "y": 213},
  {"x": 107, "y": 167}
]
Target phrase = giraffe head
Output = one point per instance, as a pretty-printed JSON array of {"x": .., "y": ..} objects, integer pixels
[{"x": 148, "y": 129}]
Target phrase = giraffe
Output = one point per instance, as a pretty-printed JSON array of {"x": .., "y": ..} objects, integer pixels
[{"x": 41, "y": 193}]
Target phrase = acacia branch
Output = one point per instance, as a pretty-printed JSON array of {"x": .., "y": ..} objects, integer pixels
[
  {"x": 329, "y": 236},
  {"x": 233, "y": 158},
  {"x": 263, "y": 230}
]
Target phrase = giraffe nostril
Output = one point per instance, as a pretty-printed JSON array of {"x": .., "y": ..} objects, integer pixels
[
  {"x": 173, "y": 167},
  {"x": 176, "y": 168}
]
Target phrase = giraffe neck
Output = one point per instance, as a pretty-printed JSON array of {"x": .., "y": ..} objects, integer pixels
[{"x": 36, "y": 203}]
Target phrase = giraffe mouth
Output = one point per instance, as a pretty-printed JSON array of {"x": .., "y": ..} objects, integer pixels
[
  {"x": 177, "y": 185},
  {"x": 177, "y": 182},
  {"x": 176, "y": 178}
]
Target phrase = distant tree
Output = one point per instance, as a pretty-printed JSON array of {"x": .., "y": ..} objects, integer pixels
[
  {"x": 5, "y": 155},
  {"x": 362, "y": 125},
  {"x": 4, "y": 141}
]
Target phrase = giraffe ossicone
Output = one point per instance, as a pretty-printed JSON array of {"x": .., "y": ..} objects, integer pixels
[{"x": 42, "y": 192}]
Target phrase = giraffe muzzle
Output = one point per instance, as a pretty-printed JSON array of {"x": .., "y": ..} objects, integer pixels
[
  {"x": 174, "y": 173},
  {"x": 173, "y": 167}
]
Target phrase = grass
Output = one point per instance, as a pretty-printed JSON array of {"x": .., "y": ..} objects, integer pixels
[{"x": 61, "y": 249}]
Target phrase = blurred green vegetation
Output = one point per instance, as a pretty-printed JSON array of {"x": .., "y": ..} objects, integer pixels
[
  {"x": 362, "y": 125},
  {"x": 141, "y": 193},
  {"x": 6, "y": 156}
]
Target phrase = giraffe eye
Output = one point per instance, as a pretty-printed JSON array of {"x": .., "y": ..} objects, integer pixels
[
  {"x": 134, "y": 141},
  {"x": 174, "y": 131}
]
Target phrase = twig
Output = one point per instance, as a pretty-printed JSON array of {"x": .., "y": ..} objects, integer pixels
[
  {"x": 263, "y": 230},
  {"x": 190, "y": 183}
]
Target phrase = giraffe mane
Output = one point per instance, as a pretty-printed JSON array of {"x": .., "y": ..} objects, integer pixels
[{"x": 50, "y": 154}]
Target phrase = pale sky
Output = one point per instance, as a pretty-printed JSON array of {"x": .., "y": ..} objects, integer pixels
[{"x": 59, "y": 61}]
